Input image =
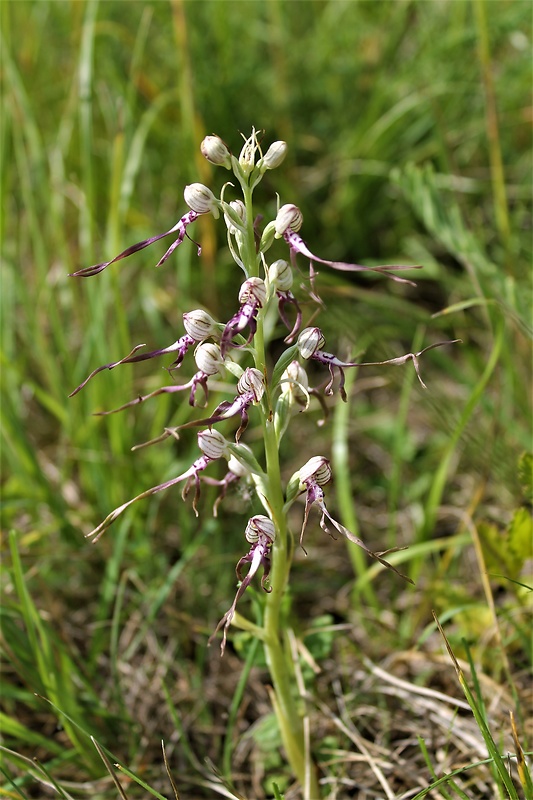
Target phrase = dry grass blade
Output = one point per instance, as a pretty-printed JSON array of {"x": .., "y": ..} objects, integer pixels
[{"x": 109, "y": 768}]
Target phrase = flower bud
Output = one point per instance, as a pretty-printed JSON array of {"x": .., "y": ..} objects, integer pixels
[
  {"x": 247, "y": 154},
  {"x": 237, "y": 467},
  {"x": 199, "y": 324},
  {"x": 208, "y": 358},
  {"x": 280, "y": 274},
  {"x": 253, "y": 290},
  {"x": 295, "y": 383},
  {"x": 317, "y": 469},
  {"x": 252, "y": 380},
  {"x": 309, "y": 341},
  {"x": 260, "y": 525},
  {"x": 212, "y": 443},
  {"x": 274, "y": 155},
  {"x": 201, "y": 199},
  {"x": 239, "y": 209},
  {"x": 288, "y": 217},
  {"x": 216, "y": 151}
]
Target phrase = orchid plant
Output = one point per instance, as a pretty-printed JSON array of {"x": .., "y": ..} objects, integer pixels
[{"x": 239, "y": 347}]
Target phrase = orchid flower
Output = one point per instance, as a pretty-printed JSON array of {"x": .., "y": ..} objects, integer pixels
[
  {"x": 315, "y": 474},
  {"x": 260, "y": 532},
  {"x": 212, "y": 444},
  {"x": 289, "y": 220},
  {"x": 207, "y": 357},
  {"x": 252, "y": 296},
  {"x": 200, "y": 200},
  {"x": 311, "y": 341},
  {"x": 198, "y": 324},
  {"x": 250, "y": 389}
]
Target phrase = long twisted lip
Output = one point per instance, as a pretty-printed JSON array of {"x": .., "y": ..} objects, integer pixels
[{"x": 181, "y": 226}]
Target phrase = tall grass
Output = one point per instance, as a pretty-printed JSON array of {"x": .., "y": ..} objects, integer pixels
[{"x": 408, "y": 129}]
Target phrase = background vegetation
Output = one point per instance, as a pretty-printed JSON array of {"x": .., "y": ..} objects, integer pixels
[{"x": 409, "y": 133}]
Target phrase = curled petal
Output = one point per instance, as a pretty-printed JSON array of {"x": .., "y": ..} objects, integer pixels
[
  {"x": 287, "y": 298},
  {"x": 229, "y": 478},
  {"x": 245, "y": 317},
  {"x": 180, "y": 226}
]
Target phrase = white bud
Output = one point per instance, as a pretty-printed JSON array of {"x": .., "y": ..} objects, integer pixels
[
  {"x": 253, "y": 289},
  {"x": 212, "y": 443},
  {"x": 201, "y": 199},
  {"x": 252, "y": 380},
  {"x": 239, "y": 209},
  {"x": 247, "y": 154},
  {"x": 199, "y": 324},
  {"x": 216, "y": 151},
  {"x": 237, "y": 467},
  {"x": 317, "y": 469},
  {"x": 295, "y": 383},
  {"x": 309, "y": 341},
  {"x": 208, "y": 358},
  {"x": 260, "y": 525},
  {"x": 288, "y": 217},
  {"x": 280, "y": 274},
  {"x": 274, "y": 155}
]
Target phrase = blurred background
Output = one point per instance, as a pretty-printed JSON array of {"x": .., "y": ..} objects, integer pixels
[{"x": 409, "y": 132}]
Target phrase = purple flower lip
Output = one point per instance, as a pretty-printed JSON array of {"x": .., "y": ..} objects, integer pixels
[
  {"x": 252, "y": 297},
  {"x": 297, "y": 245},
  {"x": 310, "y": 344},
  {"x": 180, "y": 226},
  {"x": 261, "y": 533},
  {"x": 181, "y": 346},
  {"x": 314, "y": 478}
]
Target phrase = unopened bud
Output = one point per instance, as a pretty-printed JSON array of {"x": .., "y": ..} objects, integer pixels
[
  {"x": 253, "y": 290},
  {"x": 317, "y": 469},
  {"x": 199, "y": 324},
  {"x": 280, "y": 274},
  {"x": 216, "y": 151},
  {"x": 273, "y": 156},
  {"x": 252, "y": 380},
  {"x": 309, "y": 341},
  {"x": 208, "y": 358},
  {"x": 295, "y": 383},
  {"x": 212, "y": 443},
  {"x": 260, "y": 525},
  {"x": 289, "y": 217},
  {"x": 201, "y": 199},
  {"x": 237, "y": 214},
  {"x": 247, "y": 154},
  {"x": 237, "y": 467}
]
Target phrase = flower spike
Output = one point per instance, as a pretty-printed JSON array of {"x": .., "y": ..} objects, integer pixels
[{"x": 260, "y": 532}]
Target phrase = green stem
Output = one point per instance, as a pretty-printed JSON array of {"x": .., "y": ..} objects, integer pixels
[{"x": 277, "y": 653}]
